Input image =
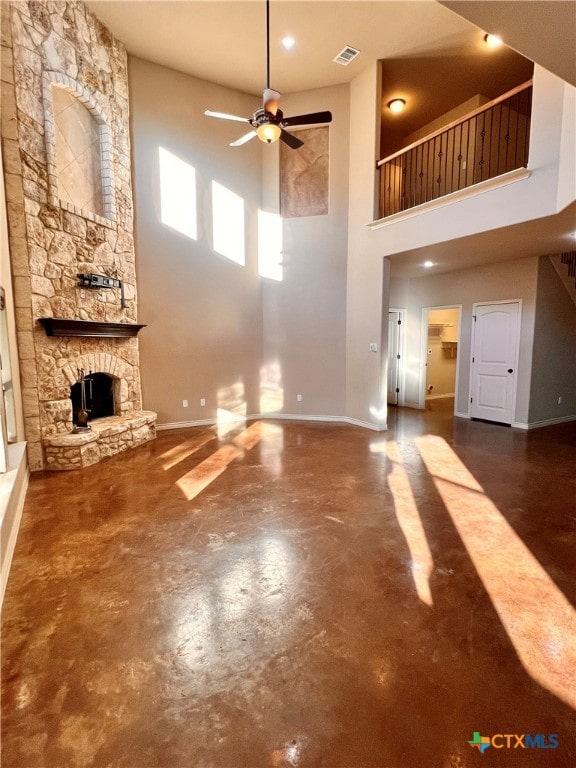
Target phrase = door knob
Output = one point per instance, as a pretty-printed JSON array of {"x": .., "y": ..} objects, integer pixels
[{"x": 510, "y": 370}]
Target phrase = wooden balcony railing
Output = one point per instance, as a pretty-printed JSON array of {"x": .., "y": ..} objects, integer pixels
[{"x": 486, "y": 143}]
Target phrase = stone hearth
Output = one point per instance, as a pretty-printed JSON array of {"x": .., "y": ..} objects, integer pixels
[{"x": 107, "y": 437}]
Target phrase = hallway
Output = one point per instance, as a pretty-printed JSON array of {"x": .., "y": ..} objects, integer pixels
[{"x": 296, "y": 594}]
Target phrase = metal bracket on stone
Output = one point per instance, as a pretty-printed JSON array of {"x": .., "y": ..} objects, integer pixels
[{"x": 91, "y": 280}]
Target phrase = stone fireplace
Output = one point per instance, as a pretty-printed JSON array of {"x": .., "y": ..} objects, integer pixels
[{"x": 67, "y": 168}]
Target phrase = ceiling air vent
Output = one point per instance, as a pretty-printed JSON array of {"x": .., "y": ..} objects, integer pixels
[{"x": 346, "y": 55}]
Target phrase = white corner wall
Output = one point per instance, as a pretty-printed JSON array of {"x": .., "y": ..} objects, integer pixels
[
  {"x": 567, "y": 177},
  {"x": 368, "y": 272}
]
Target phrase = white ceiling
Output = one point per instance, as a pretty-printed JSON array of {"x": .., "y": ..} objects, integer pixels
[
  {"x": 224, "y": 42},
  {"x": 542, "y": 30}
]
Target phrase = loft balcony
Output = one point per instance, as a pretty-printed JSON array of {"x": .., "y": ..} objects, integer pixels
[{"x": 489, "y": 142}]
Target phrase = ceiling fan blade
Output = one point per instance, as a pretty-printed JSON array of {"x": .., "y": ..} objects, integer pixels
[
  {"x": 291, "y": 140},
  {"x": 270, "y": 100},
  {"x": 311, "y": 119},
  {"x": 224, "y": 116},
  {"x": 243, "y": 139}
]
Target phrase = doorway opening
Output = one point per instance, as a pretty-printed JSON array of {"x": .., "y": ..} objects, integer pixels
[{"x": 441, "y": 336}]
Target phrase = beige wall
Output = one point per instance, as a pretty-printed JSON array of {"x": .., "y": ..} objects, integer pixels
[
  {"x": 454, "y": 114},
  {"x": 516, "y": 279},
  {"x": 554, "y": 358},
  {"x": 304, "y": 315},
  {"x": 217, "y": 330},
  {"x": 203, "y": 311}
]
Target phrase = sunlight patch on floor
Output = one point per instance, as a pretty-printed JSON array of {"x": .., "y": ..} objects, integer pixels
[
  {"x": 199, "y": 478},
  {"x": 183, "y": 451},
  {"x": 538, "y": 618}
]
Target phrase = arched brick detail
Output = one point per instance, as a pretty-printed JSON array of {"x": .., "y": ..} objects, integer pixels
[{"x": 99, "y": 362}]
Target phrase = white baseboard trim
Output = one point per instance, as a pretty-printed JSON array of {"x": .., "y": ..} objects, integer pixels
[
  {"x": 13, "y": 487},
  {"x": 366, "y": 424},
  {"x": 299, "y": 417},
  {"x": 543, "y": 423},
  {"x": 186, "y": 424},
  {"x": 461, "y": 415},
  {"x": 276, "y": 417},
  {"x": 438, "y": 397}
]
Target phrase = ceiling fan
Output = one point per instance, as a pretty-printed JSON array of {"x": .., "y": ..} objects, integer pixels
[{"x": 268, "y": 122}]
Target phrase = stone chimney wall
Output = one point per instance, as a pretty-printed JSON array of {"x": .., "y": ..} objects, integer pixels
[{"x": 48, "y": 45}]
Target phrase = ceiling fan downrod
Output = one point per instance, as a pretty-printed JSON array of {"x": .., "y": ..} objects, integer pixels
[
  {"x": 267, "y": 43},
  {"x": 268, "y": 123}
]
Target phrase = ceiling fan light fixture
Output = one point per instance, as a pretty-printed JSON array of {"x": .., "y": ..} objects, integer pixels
[
  {"x": 396, "y": 105},
  {"x": 268, "y": 132}
]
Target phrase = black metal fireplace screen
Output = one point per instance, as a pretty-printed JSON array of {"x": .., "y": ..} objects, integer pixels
[{"x": 93, "y": 393}]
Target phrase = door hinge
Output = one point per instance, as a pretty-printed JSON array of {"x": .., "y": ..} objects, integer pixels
[
  {"x": 470, "y": 399},
  {"x": 399, "y": 322},
  {"x": 474, "y": 316},
  {"x": 397, "y": 390},
  {"x": 397, "y": 357},
  {"x": 472, "y": 359}
]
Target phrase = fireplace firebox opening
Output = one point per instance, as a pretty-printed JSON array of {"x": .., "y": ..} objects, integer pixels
[{"x": 98, "y": 396}]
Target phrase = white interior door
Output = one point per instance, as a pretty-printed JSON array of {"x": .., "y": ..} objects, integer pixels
[
  {"x": 494, "y": 361},
  {"x": 394, "y": 321}
]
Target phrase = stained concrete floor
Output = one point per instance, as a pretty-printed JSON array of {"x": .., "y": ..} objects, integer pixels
[{"x": 298, "y": 595}]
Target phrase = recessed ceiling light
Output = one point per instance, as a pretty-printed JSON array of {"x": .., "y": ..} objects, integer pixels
[
  {"x": 428, "y": 264},
  {"x": 288, "y": 42},
  {"x": 396, "y": 105},
  {"x": 493, "y": 41}
]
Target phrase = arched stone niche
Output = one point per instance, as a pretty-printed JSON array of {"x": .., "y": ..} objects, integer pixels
[{"x": 78, "y": 149}]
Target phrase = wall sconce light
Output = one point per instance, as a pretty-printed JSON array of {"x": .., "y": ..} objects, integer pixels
[
  {"x": 396, "y": 105},
  {"x": 493, "y": 41}
]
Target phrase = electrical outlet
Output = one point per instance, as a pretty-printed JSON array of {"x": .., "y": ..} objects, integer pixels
[
  {"x": 184, "y": 403},
  {"x": 559, "y": 401},
  {"x": 373, "y": 347},
  {"x": 299, "y": 398},
  {"x": 202, "y": 402}
]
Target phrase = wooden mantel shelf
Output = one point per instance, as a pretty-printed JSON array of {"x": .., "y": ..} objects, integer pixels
[{"x": 59, "y": 326}]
